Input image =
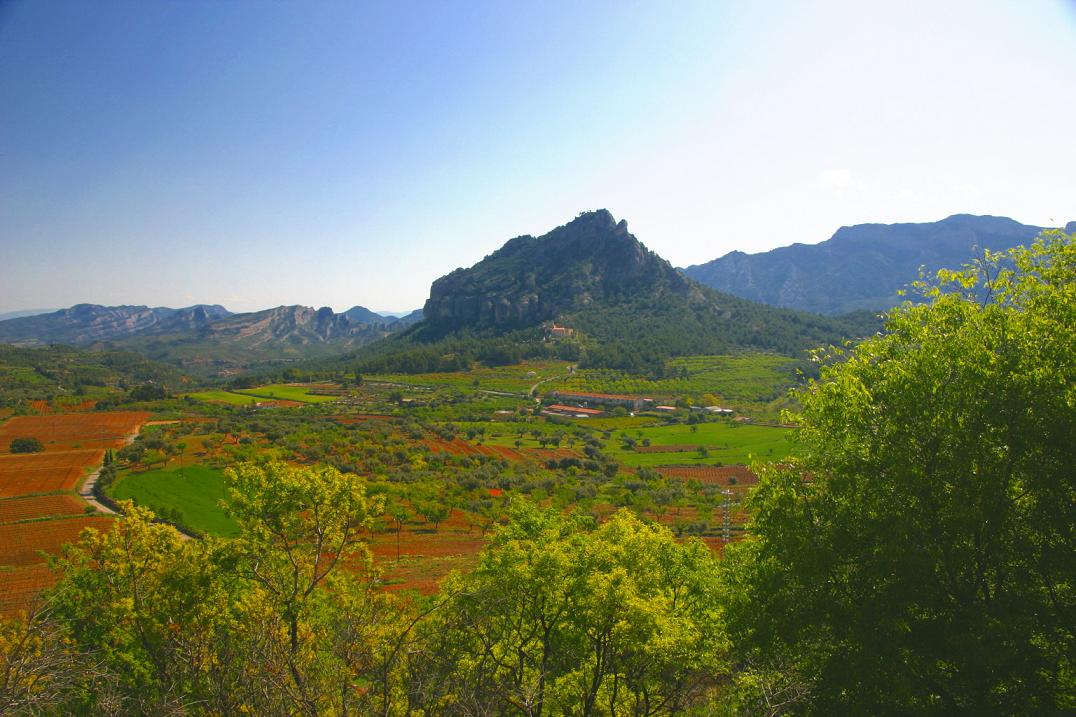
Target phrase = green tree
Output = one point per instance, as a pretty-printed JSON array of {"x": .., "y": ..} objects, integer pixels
[
  {"x": 25, "y": 445},
  {"x": 297, "y": 526},
  {"x": 562, "y": 617},
  {"x": 916, "y": 558}
]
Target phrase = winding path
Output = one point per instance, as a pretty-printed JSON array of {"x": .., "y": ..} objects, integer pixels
[{"x": 86, "y": 490}]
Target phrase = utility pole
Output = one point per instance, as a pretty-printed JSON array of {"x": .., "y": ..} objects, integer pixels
[{"x": 726, "y": 518}]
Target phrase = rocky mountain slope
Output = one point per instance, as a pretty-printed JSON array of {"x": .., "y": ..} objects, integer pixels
[
  {"x": 85, "y": 324},
  {"x": 860, "y": 267},
  {"x": 589, "y": 261},
  {"x": 204, "y": 337},
  {"x": 628, "y": 308}
]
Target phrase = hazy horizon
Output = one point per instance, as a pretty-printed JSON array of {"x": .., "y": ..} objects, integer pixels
[{"x": 252, "y": 155}]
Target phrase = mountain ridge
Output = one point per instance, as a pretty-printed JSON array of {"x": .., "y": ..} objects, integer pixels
[
  {"x": 206, "y": 336},
  {"x": 860, "y": 267}
]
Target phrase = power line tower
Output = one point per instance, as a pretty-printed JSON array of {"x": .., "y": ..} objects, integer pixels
[{"x": 726, "y": 518}]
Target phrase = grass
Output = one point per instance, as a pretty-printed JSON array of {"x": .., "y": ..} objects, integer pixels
[
  {"x": 741, "y": 378},
  {"x": 194, "y": 491},
  {"x": 725, "y": 442},
  {"x": 729, "y": 443},
  {"x": 283, "y": 391},
  {"x": 228, "y": 397},
  {"x": 510, "y": 379}
]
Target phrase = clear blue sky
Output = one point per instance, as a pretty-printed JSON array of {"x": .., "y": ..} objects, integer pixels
[{"x": 263, "y": 153}]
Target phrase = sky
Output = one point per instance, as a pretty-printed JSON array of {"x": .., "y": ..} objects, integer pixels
[{"x": 256, "y": 154}]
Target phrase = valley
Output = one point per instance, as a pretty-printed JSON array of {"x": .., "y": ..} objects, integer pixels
[{"x": 570, "y": 418}]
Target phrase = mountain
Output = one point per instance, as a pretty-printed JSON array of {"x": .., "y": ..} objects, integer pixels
[
  {"x": 627, "y": 308},
  {"x": 24, "y": 312},
  {"x": 859, "y": 267},
  {"x": 85, "y": 324},
  {"x": 409, "y": 319},
  {"x": 360, "y": 314},
  {"x": 208, "y": 338},
  {"x": 592, "y": 260}
]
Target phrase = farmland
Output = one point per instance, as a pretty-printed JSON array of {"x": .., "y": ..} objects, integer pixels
[
  {"x": 287, "y": 392},
  {"x": 453, "y": 440},
  {"x": 220, "y": 396},
  {"x": 510, "y": 379},
  {"x": 36, "y": 507},
  {"x": 75, "y": 430},
  {"x": 38, "y": 510},
  {"x": 192, "y": 494}
]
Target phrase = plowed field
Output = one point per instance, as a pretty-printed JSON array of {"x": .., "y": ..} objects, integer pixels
[
  {"x": 30, "y": 473},
  {"x": 73, "y": 430},
  {"x": 22, "y": 543},
  {"x": 39, "y": 506},
  {"x": 22, "y": 585},
  {"x": 711, "y": 474}
]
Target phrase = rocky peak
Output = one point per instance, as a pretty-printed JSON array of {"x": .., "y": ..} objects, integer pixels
[{"x": 591, "y": 259}]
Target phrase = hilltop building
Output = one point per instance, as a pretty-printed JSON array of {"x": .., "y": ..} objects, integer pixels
[{"x": 560, "y": 332}]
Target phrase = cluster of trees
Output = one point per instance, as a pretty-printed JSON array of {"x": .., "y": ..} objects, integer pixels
[
  {"x": 26, "y": 445},
  {"x": 916, "y": 558},
  {"x": 55, "y": 371}
]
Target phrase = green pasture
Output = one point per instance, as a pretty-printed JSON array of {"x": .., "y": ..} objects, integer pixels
[
  {"x": 725, "y": 442},
  {"x": 511, "y": 379},
  {"x": 741, "y": 378},
  {"x": 194, "y": 491},
  {"x": 285, "y": 392},
  {"x": 228, "y": 397}
]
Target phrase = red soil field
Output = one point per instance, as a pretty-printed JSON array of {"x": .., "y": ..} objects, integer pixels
[
  {"x": 544, "y": 454},
  {"x": 39, "y": 506},
  {"x": 426, "y": 556},
  {"x": 44, "y": 472},
  {"x": 39, "y": 406},
  {"x": 82, "y": 430},
  {"x": 710, "y": 474},
  {"x": 20, "y": 543},
  {"x": 22, "y": 585},
  {"x": 361, "y": 418}
]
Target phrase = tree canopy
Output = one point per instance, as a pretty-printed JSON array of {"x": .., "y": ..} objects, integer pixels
[{"x": 917, "y": 557}]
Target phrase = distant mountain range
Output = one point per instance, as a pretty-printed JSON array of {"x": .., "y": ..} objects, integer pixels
[
  {"x": 860, "y": 267},
  {"x": 24, "y": 312},
  {"x": 207, "y": 336},
  {"x": 628, "y": 308}
]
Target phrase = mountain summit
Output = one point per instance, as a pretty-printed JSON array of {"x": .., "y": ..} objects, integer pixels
[
  {"x": 591, "y": 260},
  {"x": 623, "y": 306}
]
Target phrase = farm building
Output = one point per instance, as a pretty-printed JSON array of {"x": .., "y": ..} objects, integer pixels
[
  {"x": 714, "y": 409},
  {"x": 572, "y": 411},
  {"x": 632, "y": 403}
]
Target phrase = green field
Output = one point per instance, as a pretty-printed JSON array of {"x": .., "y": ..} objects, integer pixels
[
  {"x": 510, "y": 379},
  {"x": 724, "y": 442},
  {"x": 285, "y": 392},
  {"x": 228, "y": 397},
  {"x": 194, "y": 491},
  {"x": 740, "y": 378}
]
